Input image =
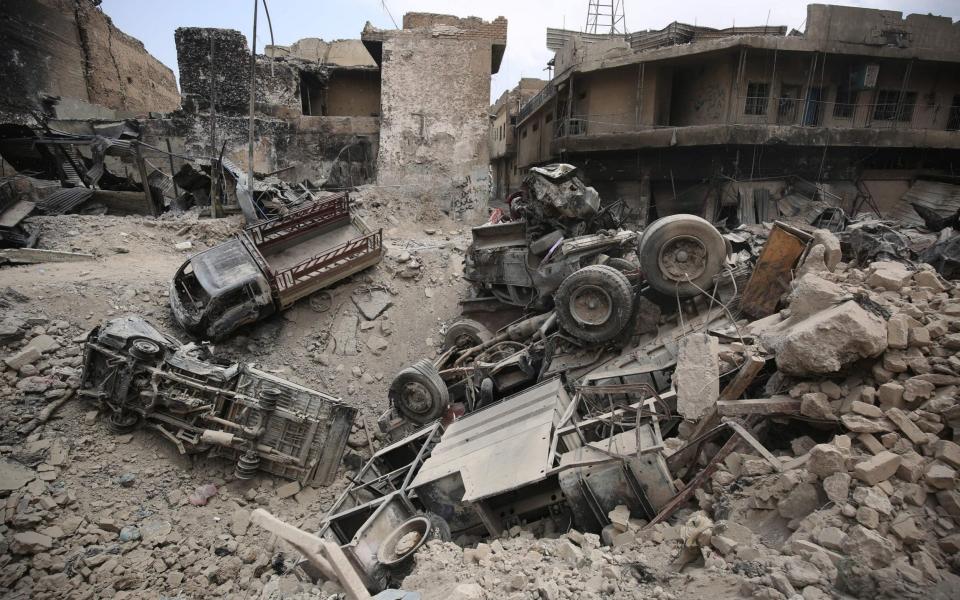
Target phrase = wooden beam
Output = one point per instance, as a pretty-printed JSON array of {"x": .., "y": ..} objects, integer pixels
[
  {"x": 749, "y": 370},
  {"x": 776, "y": 405},
  {"x": 326, "y": 556},
  {"x": 31, "y": 256}
]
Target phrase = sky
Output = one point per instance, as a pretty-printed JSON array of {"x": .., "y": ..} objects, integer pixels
[{"x": 153, "y": 22}]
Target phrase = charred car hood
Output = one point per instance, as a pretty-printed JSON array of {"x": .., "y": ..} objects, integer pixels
[{"x": 225, "y": 267}]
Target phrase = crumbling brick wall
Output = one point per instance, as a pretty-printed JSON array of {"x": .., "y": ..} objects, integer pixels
[
  {"x": 71, "y": 50},
  {"x": 120, "y": 73},
  {"x": 214, "y": 63},
  {"x": 435, "y": 91}
]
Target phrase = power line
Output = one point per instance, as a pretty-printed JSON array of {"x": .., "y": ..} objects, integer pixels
[{"x": 384, "y": 4}]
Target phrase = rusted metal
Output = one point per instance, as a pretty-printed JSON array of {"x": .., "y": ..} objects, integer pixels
[{"x": 774, "y": 270}]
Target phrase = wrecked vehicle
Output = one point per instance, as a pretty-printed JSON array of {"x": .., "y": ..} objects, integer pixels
[
  {"x": 270, "y": 265},
  {"x": 597, "y": 303},
  {"x": 143, "y": 378},
  {"x": 569, "y": 466}
]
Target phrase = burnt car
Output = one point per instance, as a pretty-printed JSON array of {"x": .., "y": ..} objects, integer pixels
[
  {"x": 270, "y": 265},
  {"x": 144, "y": 378}
]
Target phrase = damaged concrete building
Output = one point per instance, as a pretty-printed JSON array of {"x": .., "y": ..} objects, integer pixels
[
  {"x": 715, "y": 355},
  {"x": 663, "y": 120},
  {"x": 435, "y": 92},
  {"x": 503, "y": 139},
  {"x": 66, "y": 59}
]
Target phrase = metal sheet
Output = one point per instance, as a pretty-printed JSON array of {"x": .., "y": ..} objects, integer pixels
[
  {"x": 942, "y": 198},
  {"x": 502, "y": 447},
  {"x": 773, "y": 273}
]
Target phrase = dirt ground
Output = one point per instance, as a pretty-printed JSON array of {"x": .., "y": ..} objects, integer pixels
[{"x": 187, "y": 551}]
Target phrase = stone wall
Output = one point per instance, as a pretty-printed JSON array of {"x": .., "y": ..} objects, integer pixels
[
  {"x": 121, "y": 74},
  {"x": 70, "y": 50},
  {"x": 435, "y": 90},
  {"x": 214, "y": 63}
]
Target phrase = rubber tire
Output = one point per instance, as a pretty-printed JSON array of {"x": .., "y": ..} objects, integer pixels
[
  {"x": 440, "y": 529},
  {"x": 425, "y": 373},
  {"x": 661, "y": 231},
  {"x": 625, "y": 266},
  {"x": 477, "y": 331},
  {"x": 486, "y": 392},
  {"x": 144, "y": 349},
  {"x": 611, "y": 281}
]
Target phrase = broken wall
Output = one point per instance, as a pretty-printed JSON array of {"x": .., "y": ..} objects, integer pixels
[
  {"x": 435, "y": 91},
  {"x": 214, "y": 65},
  {"x": 855, "y": 25},
  {"x": 71, "y": 50},
  {"x": 121, "y": 74}
]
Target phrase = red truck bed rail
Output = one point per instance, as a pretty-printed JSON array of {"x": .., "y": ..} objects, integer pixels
[
  {"x": 300, "y": 280},
  {"x": 281, "y": 230}
]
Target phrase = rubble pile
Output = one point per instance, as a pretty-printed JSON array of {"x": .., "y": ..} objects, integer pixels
[{"x": 862, "y": 499}]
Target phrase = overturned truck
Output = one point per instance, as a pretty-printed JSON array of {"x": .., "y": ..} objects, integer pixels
[
  {"x": 143, "y": 378},
  {"x": 270, "y": 265}
]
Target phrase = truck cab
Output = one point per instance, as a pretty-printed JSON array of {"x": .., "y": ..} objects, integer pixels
[{"x": 219, "y": 290}]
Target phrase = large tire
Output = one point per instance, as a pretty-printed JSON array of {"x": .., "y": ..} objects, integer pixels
[
  {"x": 595, "y": 303},
  {"x": 419, "y": 394},
  {"x": 466, "y": 333},
  {"x": 629, "y": 269},
  {"x": 680, "y": 253}
]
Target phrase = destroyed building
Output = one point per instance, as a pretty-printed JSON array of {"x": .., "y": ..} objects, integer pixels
[
  {"x": 663, "y": 120},
  {"x": 65, "y": 58},
  {"x": 503, "y": 139},
  {"x": 721, "y": 363},
  {"x": 435, "y": 92}
]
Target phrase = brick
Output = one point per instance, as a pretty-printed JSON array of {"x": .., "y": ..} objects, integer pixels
[
  {"x": 878, "y": 468},
  {"x": 947, "y": 451},
  {"x": 908, "y": 427}
]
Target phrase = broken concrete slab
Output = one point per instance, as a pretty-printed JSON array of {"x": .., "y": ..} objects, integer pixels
[
  {"x": 888, "y": 275},
  {"x": 26, "y": 356},
  {"x": 697, "y": 376},
  {"x": 826, "y": 341},
  {"x": 14, "y": 476},
  {"x": 372, "y": 304},
  {"x": 43, "y": 344}
]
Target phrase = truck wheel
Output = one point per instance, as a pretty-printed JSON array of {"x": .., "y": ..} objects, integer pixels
[
  {"x": 144, "y": 349},
  {"x": 440, "y": 529},
  {"x": 631, "y": 270},
  {"x": 594, "y": 303},
  {"x": 679, "y": 251},
  {"x": 418, "y": 393},
  {"x": 465, "y": 333}
]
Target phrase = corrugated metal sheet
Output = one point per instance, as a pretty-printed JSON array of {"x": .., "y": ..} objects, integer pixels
[
  {"x": 64, "y": 200},
  {"x": 942, "y": 198}
]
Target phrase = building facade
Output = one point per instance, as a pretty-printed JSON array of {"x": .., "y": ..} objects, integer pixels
[
  {"x": 503, "y": 142},
  {"x": 653, "y": 116}
]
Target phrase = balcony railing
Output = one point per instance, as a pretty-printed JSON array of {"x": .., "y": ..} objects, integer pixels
[{"x": 785, "y": 112}]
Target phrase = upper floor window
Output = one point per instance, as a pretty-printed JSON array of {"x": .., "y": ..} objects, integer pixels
[
  {"x": 846, "y": 102},
  {"x": 953, "y": 121},
  {"x": 523, "y": 132},
  {"x": 892, "y": 106},
  {"x": 757, "y": 98}
]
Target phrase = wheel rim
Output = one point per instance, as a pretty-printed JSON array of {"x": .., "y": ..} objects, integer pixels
[
  {"x": 145, "y": 348},
  {"x": 682, "y": 258},
  {"x": 416, "y": 398},
  {"x": 591, "y": 305}
]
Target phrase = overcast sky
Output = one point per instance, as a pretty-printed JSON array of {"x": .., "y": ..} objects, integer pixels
[{"x": 154, "y": 22}]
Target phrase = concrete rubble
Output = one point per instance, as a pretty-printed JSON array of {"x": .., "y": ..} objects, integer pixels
[{"x": 565, "y": 346}]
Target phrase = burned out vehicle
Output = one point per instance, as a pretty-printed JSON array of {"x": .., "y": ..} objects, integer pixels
[
  {"x": 559, "y": 249},
  {"x": 143, "y": 378},
  {"x": 596, "y": 303},
  {"x": 569, "y": 466},
  {"x": 270, "y": 265}
]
